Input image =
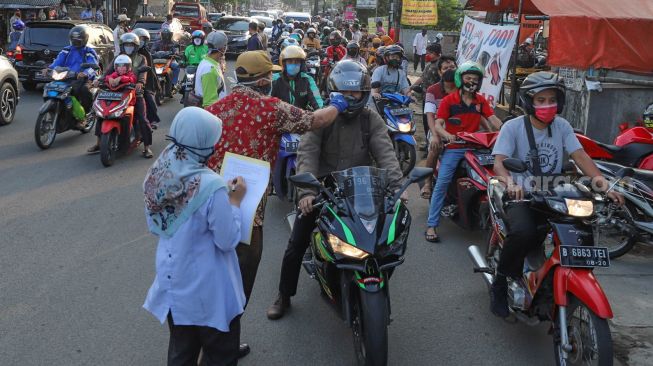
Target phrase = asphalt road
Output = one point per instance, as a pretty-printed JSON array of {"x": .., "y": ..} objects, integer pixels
[{"x": 76, "y": 262}]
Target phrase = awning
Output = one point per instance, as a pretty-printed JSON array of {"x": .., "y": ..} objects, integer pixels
[
  {"x": 610, "y": 34},
  {"x": 28, "y": 4}
]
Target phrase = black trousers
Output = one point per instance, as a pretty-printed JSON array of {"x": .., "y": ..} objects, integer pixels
[
  {"x": 83, "y": 95},
  {"x": 419, "y": 59},
  {"x": 524, "y": 234},
  {"x": 292, "y": 258},
  {"x": 143, "y": 126},
  {"x": 218, "y": 348},
  {"x": 425, "y": 120},
  {"x": 249, "y": 257},
  {"x": 152, "y": 108}
]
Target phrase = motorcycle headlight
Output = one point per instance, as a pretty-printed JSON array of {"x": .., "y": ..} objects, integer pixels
[
  {"x": 475, "y": 176},
  {"x": 56, "y": 75},
  {"x": 557, "y": 206},
  {"x": 158, "y": 69},
  {"x": 343, "y": 248},
  {"x": 579, "y": 208},
  {"x": 404, "y": 127}
]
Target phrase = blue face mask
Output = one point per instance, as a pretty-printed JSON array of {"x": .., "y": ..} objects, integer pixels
[{"x": 293, "y": 69}]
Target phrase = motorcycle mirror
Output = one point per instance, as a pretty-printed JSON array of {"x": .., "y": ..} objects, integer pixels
[
  {"x": 376, "y": 85},
  {"x": 625, "y": 172},
  {"x": 515, "y": 165},
  {"x": 306, "y": 180}
]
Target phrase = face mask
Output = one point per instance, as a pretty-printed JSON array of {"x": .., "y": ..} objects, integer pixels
[
  {"x": 546, "y": 113},
  {"x": 197, "y": 41},
  {"x": 142, "y": 44},
  {"x": 292, "y": 69},
  {"x": 193, "y": 150},
  {"x": 470, "y": 87},
  {"x": 129, "y": 50},
  {"x": 394, "y": 63},
  {"x": 352, "y": 53},
  {"x": 265, "y": 89},
  {"x": 311, "y": 35}
]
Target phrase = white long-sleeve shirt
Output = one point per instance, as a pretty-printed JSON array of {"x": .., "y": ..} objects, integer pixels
[{"x": 419, "y": 44}]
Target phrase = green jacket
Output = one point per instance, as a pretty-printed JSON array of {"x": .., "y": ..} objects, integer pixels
[
  {"x": 195, "y": 54},
  {"x": 209, "y": 73}
]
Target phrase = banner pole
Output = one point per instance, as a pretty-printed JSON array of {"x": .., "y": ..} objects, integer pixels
[{"x": 513, "y": 84}]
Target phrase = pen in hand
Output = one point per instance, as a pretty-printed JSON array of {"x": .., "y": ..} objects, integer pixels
[{"x": 233, "y": 184}]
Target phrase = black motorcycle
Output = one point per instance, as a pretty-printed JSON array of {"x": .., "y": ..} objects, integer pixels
[
  {"x": 361, "y": 236},
  {"x": 188, "y": 85},
  {"x": 55, "y": 115}
]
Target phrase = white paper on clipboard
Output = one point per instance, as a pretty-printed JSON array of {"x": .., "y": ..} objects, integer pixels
[{"x": 256, "y": 174}]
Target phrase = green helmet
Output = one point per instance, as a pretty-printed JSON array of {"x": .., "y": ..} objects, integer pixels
[{"x": 468, "y": 67}]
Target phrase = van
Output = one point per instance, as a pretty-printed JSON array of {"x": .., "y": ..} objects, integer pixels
[{"x": 191, "y": 15}]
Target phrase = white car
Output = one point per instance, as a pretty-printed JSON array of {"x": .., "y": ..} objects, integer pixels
[{"x": 290, "y": 17}]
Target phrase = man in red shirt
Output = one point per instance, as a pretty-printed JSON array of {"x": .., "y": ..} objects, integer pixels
[
  {"x": 252, "y": 124},
  {"x": 458, "y": 112}
]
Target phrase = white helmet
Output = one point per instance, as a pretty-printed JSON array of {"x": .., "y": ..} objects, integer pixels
[
  {"x": 122, "y": 60},
  {"x": 439, "y": 36}
]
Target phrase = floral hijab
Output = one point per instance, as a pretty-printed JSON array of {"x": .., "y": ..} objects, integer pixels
[{"x": 178, "y": 183}]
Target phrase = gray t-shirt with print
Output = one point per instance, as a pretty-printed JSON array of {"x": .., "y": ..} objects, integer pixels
[
  {"x": 513, "y": 143},
  {"x": 392, "y": 80}
]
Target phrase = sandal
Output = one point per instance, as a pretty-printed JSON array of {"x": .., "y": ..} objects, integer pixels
[
  {"x": 93, "y": 149},
  {"x": 431, "y": 238},
  {"x": 147, "y": 154},
  {"x": 426, "y": 192}
]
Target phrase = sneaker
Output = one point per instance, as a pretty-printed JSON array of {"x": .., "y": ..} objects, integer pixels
[
  {"x": 499, "y": 297},
  {"x": 278, "y": 309}
]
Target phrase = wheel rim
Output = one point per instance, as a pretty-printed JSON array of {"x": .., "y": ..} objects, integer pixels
[
  {"x": 583, "y": 338},
  {"x": 47, "y": 129},
  {"x": 611, "y": 234},
  {"x": 7, "y": 104},
  {"x": 91, "y": 119}
]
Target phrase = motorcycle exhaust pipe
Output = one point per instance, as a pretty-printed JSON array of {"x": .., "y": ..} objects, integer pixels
[{"x": 480, "y": 264}]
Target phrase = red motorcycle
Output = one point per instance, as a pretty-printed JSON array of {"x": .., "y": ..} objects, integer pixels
[
  {"x": 114, "y": 107},
  {"x": 557, "y": 283},
  {"x": 466, "y": 200},
  {"x": 633, "y": 147}
]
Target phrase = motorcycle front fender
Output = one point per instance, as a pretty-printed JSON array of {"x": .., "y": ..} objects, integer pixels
[
  {"x": 49, "y": 105},
  {"x": 646, "y": 163},
  {"x": 409, "y": 139},
  {"x": 584, "y": 286},
  {"x": 110, "y": 124}
]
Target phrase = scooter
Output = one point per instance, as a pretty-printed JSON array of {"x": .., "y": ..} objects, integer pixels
[
  {"x": 115, "y": 108},
  {"x": 360, "y": 239},
  {"x": 188, "y": 85},
  {"x": 55, "y": 115},
  {"x": 621, "y": 227},
  {"x": 557, "y": 283},
  {"x": 633, "y": 147},
  {"x": 162, "y": 61},
  {"x": 398, "y": 116},
  {"x": 285, "y": 167},
  {"x": 466, "y": 202},
  {"x": 313, "y": 64}
]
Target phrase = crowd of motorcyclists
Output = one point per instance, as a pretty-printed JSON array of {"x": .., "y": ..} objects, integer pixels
[{"x": 337, "y": 109}]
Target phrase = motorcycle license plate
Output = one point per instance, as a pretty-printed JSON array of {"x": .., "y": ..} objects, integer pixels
[
  {"x": 108, "y": 95},
  {"x": 292, "y": 146},
  {"x": 485, "y": 159},
  {"x": 585, "y": 257},
  {"x": 400, "y": 111}
]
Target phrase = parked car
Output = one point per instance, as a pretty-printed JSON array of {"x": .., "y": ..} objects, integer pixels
[
  {"x": 42, "y": 41},
  {"x": 213, "y": 17},
  {"x": 8, "y": 91},
  {"x": 262, "y": 13},
  {"x": 153, "y": 25},
  {"x": 268, "y": 24},
  {"x": 237, "y": 30},
  {"x": 290, "y": 17},
  {"x": 191, "y": 14}
]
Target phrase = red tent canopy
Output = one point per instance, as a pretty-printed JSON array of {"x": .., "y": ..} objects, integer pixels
[{"x": 610, "y": 34}]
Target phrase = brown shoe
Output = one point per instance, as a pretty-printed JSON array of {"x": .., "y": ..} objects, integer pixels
[{"x": 278, "y": 309}]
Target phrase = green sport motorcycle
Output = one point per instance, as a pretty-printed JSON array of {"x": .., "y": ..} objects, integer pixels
[{"x": 360, "y": 237}]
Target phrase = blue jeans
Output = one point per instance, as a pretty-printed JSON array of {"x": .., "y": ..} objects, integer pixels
[
  {"x": 175, "y": 72},
  {"x": 448, "y": 165}
]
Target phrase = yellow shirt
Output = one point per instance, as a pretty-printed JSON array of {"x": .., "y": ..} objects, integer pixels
[{"x": 312, "y": 43}]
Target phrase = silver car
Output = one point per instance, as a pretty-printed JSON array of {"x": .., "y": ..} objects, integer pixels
[{"x": 8, "y": 91}]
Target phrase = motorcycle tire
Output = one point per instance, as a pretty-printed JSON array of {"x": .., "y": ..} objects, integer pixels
[
  {"x": 167, "y": 87},
  {"x": 91, "y": 120},
  {"x": 370, "y": 328},
  {"x": 407, "y": 156},
  {"x": 627, "y": 240},
  {"x": 599, "y": 332},
  {"x": 108, "y": 147},
  {"x": 46, "y": 126}
]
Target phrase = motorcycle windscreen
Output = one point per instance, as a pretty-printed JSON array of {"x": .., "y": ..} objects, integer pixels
[{"x": 364, "y": 189}]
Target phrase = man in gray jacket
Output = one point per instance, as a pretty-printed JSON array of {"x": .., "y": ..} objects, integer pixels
[{"x": 358, "y": 137}]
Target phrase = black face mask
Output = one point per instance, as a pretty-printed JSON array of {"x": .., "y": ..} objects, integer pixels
[
  {"x": 192, "y": 149},
  {"x": 470, "y": 87},
  {"x": 265, "y": 90},
  {"x": 352, "y": 53},
  {"x": 394, "y": 63}
]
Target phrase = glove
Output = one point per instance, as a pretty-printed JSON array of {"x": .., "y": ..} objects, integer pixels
[{"x": 338, "y": 100}]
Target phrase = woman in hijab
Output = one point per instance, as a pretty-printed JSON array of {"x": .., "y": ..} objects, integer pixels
[{"x": 198, "y": 286}]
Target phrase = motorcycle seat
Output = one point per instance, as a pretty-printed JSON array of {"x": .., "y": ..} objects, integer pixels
[
  {"x": 629, "y": 155},
  {"x": 610, "y": 148}
]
